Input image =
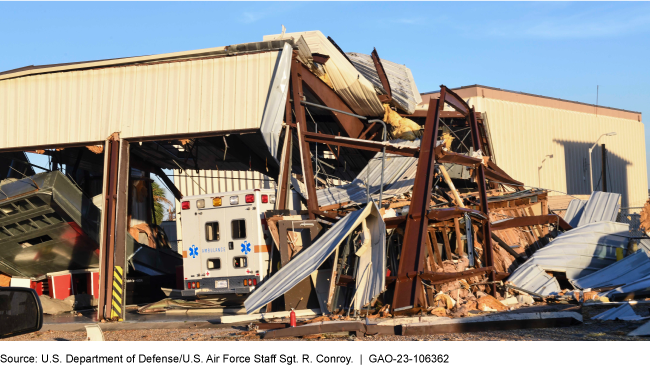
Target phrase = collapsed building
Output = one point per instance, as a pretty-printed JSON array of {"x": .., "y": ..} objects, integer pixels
[{"x": 408, "y": 210}]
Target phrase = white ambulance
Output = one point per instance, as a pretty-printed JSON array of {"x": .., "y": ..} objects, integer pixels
[{"x": 226, "y": 242}]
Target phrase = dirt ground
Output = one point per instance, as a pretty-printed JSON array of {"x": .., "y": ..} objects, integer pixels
[{"x": 597, "y": 331}]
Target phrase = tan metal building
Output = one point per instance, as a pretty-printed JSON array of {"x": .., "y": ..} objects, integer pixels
[{"x": 544, "y": 141}]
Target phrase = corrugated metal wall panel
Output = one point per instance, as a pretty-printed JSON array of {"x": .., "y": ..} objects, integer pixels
[
  {"x": 523, "y": 135},
  {"x": 200, "y": 95}
]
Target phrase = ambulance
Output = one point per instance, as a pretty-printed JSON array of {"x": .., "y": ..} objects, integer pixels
[{"x": 226, "y": 242}]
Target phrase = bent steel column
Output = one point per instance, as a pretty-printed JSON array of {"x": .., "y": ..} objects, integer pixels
[
  {"x": 301, "y": 121},
  {"x": 118, "y": 301},
  {"x": 107, "y": 235},
  {"x": 409, "y": 285},
  {"x": 482, "y": 190}
]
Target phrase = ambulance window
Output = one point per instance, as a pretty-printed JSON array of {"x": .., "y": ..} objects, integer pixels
[
  {"x": 214, "y": 264},
  {"x": 239, "y": 262},
  {"x": 212, "y": 231},
  {"x": 238, "y": 229}
]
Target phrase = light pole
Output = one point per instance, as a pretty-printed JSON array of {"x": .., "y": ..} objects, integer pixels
[{"x": 591, "y": 178}]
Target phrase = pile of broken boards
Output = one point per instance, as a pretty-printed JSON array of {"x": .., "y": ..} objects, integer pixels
[
  {"x": 351, "y": 265},
  {"x": 597, "y": 258}
]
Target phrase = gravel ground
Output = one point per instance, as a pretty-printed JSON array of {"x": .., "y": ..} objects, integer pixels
[{"x": 597, "y": 331}]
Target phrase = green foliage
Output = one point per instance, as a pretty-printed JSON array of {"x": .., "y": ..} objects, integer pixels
[{"x": 159, "y": 208}]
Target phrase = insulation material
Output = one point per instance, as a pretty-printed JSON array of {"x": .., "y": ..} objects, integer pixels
[
  {"x": 312, "y": 257},
  {"x": 155, "y": 236},
  {"x": 401, "y": 128},
  {"x": 404, "y": 92},
  {"x": 355, "y": 89}
]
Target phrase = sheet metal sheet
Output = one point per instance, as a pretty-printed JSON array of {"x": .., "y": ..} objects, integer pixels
[
  {"x": 534, "y": 278},
  {"x": 574, "y": 212},
  {"x": 579, "y": 252},
  {"x": 187, "y": 95},
  {"x": 623, "y": 312},
  {"x": 40, "y": 222},
  {"x": 630, "y": 269},
  {"x": 273, "y": 116},
  {"x": 600, "y": 207},
  {"x": 308, "y": 260},
  {"x": 399, "y": 176},
  {"x": 354, "y": 88},
  {"x": 404, "y": 91},
  {"x": 642, "y": 284}
]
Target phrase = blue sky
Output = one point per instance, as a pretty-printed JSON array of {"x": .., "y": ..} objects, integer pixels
[{"x": 555, "y": 49}]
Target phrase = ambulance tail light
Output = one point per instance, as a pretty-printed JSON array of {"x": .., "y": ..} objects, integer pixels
[
  {"x": 189, "y": 285},
  {"x": 198, "y": 284},
  {"x": 234, "y": 200},
  {"x": 250, "y": 282},
  {"x": 254, "y": 282},
  {"x": 265, "y": 198},
  {"x": 185, "y": 205},
  {"x": 250, "y": 198},
  {"x": 193, "y": 285},
  {"x": 216, "y": 202},
  {"x": 245, "y": 282}
]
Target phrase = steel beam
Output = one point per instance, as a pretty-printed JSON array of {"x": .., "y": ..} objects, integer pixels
[
  {"x": 107, "y": 235},
  {"x": 407, "y": 291},
  {"x": 482, "y": 189},
  {"x": 350, "y": 125},
  {"x": 297, "y": 73},
  {"x": 285, "y": 171},
  {"x": 121, "y": 217},
  {"x": 525, "y": 221},
  {"x": 382, "y": 74},
  {"x": 456, "y": 102},
  {"x": 360, "y": 144}
]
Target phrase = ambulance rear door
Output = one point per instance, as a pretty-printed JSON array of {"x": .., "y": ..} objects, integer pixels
[{"x": 213, "y": 252}]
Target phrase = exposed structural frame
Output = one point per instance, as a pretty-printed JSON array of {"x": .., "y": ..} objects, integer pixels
[
  {"x": 408, "y": 287},
  {"x": 409, "y": 277}
]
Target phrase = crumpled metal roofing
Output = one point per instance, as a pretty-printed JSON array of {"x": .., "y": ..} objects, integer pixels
[
  {"x": 577, "y": 253},
  {"x": 353, "y": 87},
  {"x": 399, "y": 176},
  {"x": 309, "y": 259},
  {"x": 630, "y": 269},
  {"x": 534, "y": 278},
  {"x": 599, "y": 208},
  {"x": 639, "y": 285},
  {"x": 403, "y": 89},
  {"x": 623, "y": 312}
]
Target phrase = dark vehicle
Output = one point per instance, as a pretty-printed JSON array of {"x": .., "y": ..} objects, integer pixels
[{"x": 20, "y": 311}]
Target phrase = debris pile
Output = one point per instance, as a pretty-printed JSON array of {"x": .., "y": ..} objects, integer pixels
[{"x": 431, "y": 226}]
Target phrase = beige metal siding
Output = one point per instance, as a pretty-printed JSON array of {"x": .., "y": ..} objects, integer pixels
[
  {"x": 523, "y": 134},
  {"x": 178, "y": 97}
]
